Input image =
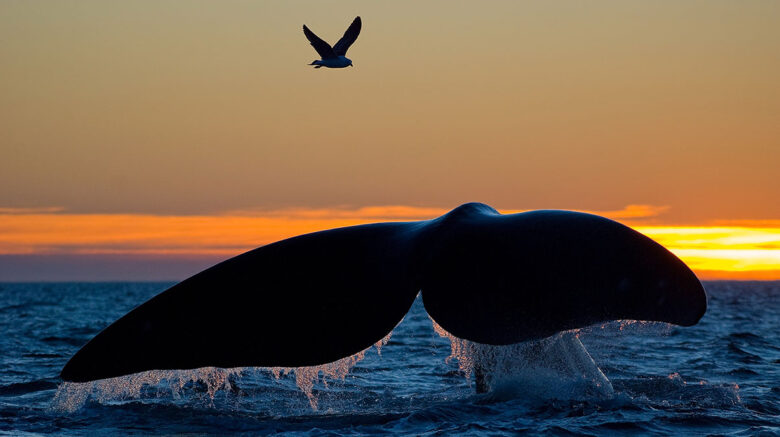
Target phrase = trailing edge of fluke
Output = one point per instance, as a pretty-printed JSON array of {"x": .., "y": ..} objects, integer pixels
[{"x": 313, "y": 299}]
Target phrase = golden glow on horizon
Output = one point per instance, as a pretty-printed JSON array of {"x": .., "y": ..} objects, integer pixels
[
  {"x": 713, "y": 252},
  {"x": 721, "y": 248}
]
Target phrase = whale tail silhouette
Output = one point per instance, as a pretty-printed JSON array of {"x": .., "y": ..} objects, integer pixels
[
  {"x": 313, "y": 299},
  {"x": 308, "y": 300}
]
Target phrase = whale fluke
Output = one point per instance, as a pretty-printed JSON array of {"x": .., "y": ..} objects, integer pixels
[
  {"x": 304, "y": 301},
  {"x": 501, "y": 279},
  {"x": 313, "y": 299}
]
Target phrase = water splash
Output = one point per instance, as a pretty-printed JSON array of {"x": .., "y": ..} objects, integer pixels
[
  {"x": 307, "y": 377},
  {"x": 630, "y": 327},
  {"x": 558, "y": 366},
  {"x": 72, "y": 396},
  {"x": 381, "y": 343}
]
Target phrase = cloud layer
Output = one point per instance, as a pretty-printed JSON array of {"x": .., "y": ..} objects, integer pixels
[{"x": 736, "y": 250}]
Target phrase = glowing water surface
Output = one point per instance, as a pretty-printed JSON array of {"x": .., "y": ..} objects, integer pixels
[{"x": 718, "y": 377}]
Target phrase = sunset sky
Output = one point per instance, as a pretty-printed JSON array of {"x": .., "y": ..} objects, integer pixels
[{"x": 150, "y": 139}]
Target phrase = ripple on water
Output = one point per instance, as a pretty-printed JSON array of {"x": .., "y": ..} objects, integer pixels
[{"x": 719, "y": 377}]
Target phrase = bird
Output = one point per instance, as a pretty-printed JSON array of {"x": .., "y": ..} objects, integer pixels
[{"x": 334, "y": 57}]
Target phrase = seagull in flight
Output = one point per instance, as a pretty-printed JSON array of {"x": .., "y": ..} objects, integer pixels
[{"x": 333, "y": 57}]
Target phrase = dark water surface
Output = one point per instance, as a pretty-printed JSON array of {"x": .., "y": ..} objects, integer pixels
[{"x": 719, "y": 377}]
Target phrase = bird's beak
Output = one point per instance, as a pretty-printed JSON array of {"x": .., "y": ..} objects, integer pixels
[{"x": 351, "y": 65}]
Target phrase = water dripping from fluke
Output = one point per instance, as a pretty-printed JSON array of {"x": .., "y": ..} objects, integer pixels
[
  {"x": 72, "y": 396},
  {"x": 556, "y": 367}
]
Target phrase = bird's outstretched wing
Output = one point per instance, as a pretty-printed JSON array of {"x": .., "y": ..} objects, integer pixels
[
  {"x": 349, "y": 37},
  {"x": 324, "y": 49}
]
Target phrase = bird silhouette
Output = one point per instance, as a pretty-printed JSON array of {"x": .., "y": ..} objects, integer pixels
[{"x": 333, "y": 57}]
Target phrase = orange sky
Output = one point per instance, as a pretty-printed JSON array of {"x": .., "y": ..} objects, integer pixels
[
  {"x": 717, "y": 251},
  {"x": 145, "y": 121}
]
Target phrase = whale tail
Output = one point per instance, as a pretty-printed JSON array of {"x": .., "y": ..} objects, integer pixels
[
  {"x": 306, "y": 301},
  {"x": 501, "y": 279},
  {"x": 484, "y": 277}
]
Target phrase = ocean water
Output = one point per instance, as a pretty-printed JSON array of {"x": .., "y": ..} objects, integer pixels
[{"x": 719, "y": 377}]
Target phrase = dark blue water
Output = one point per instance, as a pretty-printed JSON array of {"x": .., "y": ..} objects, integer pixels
[{"x": 719, "y": 377}]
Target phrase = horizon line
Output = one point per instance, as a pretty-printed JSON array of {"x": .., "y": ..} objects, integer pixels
[{"x": 731, "y": 248}]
